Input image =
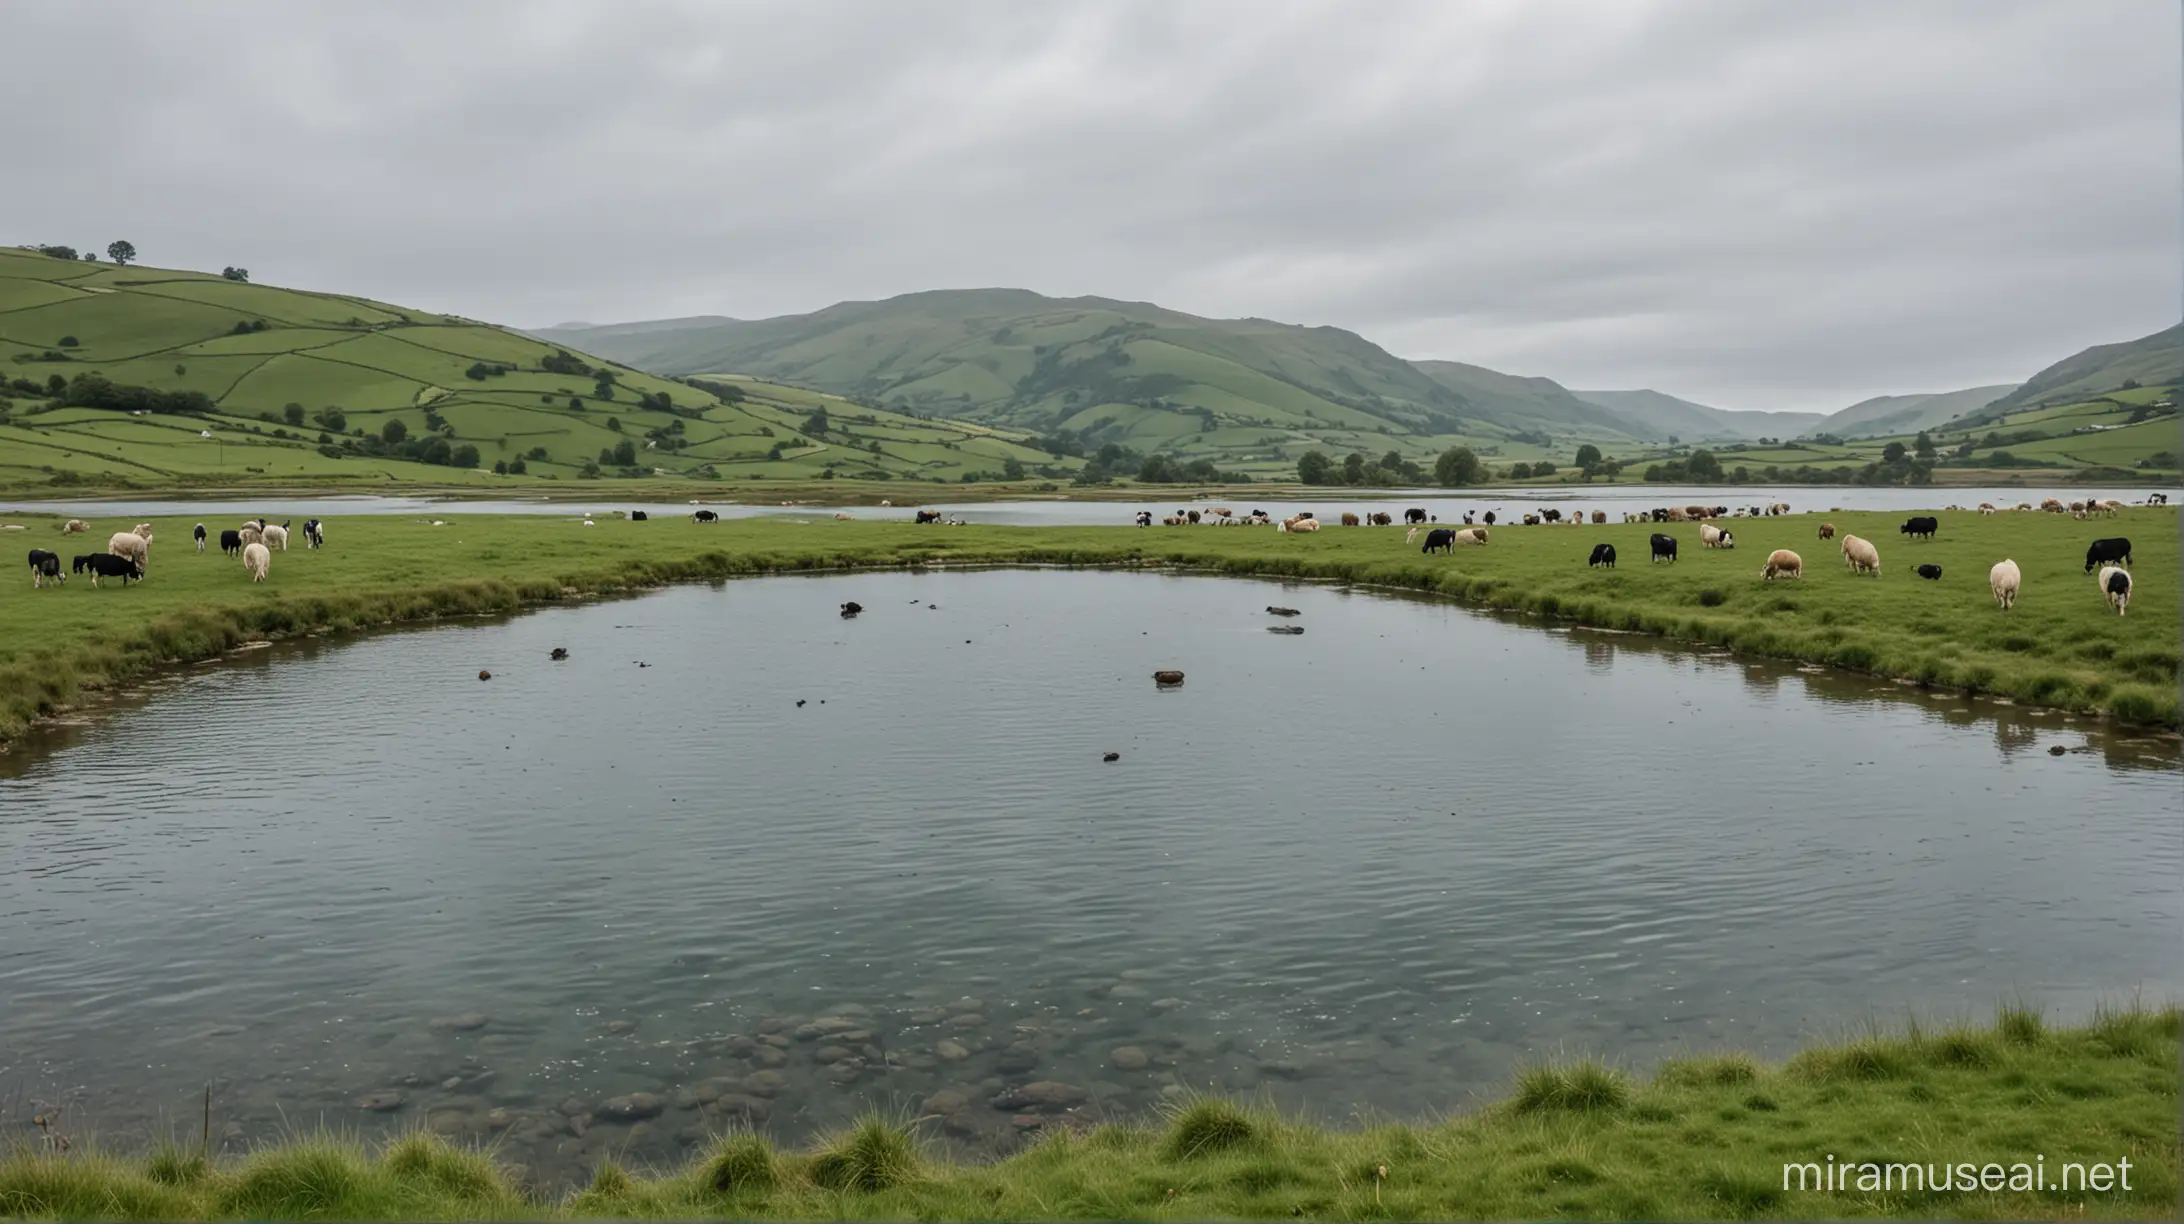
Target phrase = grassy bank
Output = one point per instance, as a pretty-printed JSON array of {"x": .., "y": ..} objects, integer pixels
[
  {"x": 2060, "y": 647},
  {"x": 1702, "y": 1137}
]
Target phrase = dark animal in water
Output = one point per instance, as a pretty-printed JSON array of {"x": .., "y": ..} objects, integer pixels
[
  {"x": 1289, "y": 629},
  {"x": 1112, "y": 756},
  {"x": 2107, "y": 551},
  {"x": 1167, "y": 678},
  {"x": 1932, "y": 573},
  {"x": 485, "y": 675},
  {"x": 1602, "y": 554},
  {"x": 1664, "y": 546},
  {"x": 851, "y": 608},
  {"x": 1281, "y": 611},
  {"x": 558, "y": 652}
]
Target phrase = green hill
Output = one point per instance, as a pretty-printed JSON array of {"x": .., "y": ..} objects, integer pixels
[
  {"x": 1888, "y": 415},
  {"x": 1539, "y": 403},
  {"x": 1247, "y": 393},
  {"x": 149, "y": 376},
  {"x": 2149, "y": 361},
  {"x": 1665, "y": 416}
]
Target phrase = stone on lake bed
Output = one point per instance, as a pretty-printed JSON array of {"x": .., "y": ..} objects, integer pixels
[
  {"x": 464, "y": 1022},
  {"x": 967, "y": 1020},
  {"x": 381, "y": 1102},
  {"x": 632, "y": 1108},
  {"x": 1167, "y": 1004},
  {"x": 834, "y": 1053},
  {"x": 951, "y": 1050},
  {"x": 768, "y": 1056},
  {"x": 765, "y": 1083},
  {"x": 1040, "y": 1095},
  {"x": 739, "y": 1106},
  {"x": 1129, "y": 1058},
  {"x": 448, "y": 1121},
  {"x": 967, "y": 1004},
  {"x": 1016, "y": 1059},
  {"x": 946, "y": 1101},
  {"x": 621, "y": 1026}
]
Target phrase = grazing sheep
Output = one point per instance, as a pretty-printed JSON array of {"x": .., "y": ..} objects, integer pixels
[
  {"x": 1469, "y": 536},
  {"x": 1675, "y": 514},
  {"x": 2004, "y": 580},
  {"x": 1861, "y": 556},
  {"x": 250, "y": 536},
  {"x": 198, "y": 534},
  {"x": 707, "y": 516},
  {"x": 1664, "y": 546},
  {"x": 314, "y": 532},
  {"x": 1827, "y": 531},
  {"x": 1380, "y": 518},
  {"x": 2051, "y": 505},
  {"x": 1986, "y": 507},
  {"x": 1711, "y": 536},
  {"x": 2102, "y": 551},
  {"x": 1932, "y": 573},
  {"x": 1782, "y": 563},
  {"x": 1304, "y": 524},
  {"x": 2109, "y": 507},
  {"x": 74, "y": 526},
  {"x": 1349, "y": 519},
  {"x": 842, "y": 518},
  {"x": 106, "y": 565},
  {"x": 276, "y": 536},
  {"x": 129, "y": 544},
  {"x": 231, "y": 543},
  {"x": 2115, "y": 583},
  {"x": 257, "y": 559},
  {"x": 1779, "y": 508},
  {"x": 1223, "y": 512},
  {"x": 1602, "y": 555},
  {"x": 142, "y": 529},
  {"x": 1599, "y": 516}
]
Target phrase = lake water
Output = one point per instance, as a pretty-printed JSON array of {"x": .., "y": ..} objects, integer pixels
[
  {"x": 800, "y": 865},
  {"x": 1612, "y": 500}
]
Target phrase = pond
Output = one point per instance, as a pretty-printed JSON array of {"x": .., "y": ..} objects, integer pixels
[
  {"x": 740, "y": 858},
  {"x": 1061, "y": 511}
]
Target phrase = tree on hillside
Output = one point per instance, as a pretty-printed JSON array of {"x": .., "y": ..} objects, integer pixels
[
  {"x": 1520, "y": 471},
  {"x": 1313, "y": 468},
  {"x": 393, "y": 432},
  {"x": 1456, "y": 467},
  {"x": 1893, "y": 453},
  {"x": 236, "y": 274},
  {"x": 1012, "y": 468},
  {"x": 58, "y": 252},
  {"x": 121, "y": 252},
  {"x": 294, "y": 413},
  {"x": 465, "y": 456},
  {"x": 1923, "y": 445},
  {"x": 1588, "y": 456},
  {"x": 816, "y": 425},
  {"x": 1353, "y": 469},
  {"x": 625, "y": 453},
  {"x": 1703, "y": 466},
  {"x": 615, "y": 424}
]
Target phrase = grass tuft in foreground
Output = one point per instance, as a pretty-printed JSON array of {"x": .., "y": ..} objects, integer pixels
[{"x": 1704, "y": 1137}]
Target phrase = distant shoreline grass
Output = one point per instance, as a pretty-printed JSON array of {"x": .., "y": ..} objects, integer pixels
[
  {"x": 2061, "y": 647},
  {"x": 1703, "y": 1137}
]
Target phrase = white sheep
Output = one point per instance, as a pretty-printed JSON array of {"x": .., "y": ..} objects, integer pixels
[
  {"x": 131, "y": 544},
  {"x": 142, "y": 529},
  {"x": 1469, "y": 535},
  {"x": 2115, "y": 584},
  {"x": 1711, "y": 536},
  {"x": 257, "y": 559},
  {"x": 275, "y": 536},
  {"x": 76, "y": 525},
  {"x": 1782, "y": 563},
  {"x": 1302, "y": 524},
  {"x": 250, "y": 534},
  {"x": 2004, "y": 580},
  {"x": 1861, "y": 556}
]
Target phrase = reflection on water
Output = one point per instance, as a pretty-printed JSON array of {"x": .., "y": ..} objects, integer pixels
[{"x": 739, "y": 858}]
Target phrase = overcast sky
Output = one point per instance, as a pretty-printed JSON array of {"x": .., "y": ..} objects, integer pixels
[{"x": 1750, "y": 203}]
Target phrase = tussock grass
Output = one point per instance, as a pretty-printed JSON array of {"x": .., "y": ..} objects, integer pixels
[
  {"x": 2061, "y": 646},
  {"x": 1703, "y": 1137}
]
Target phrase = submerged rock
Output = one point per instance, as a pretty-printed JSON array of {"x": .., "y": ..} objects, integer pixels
[
  {"x": 1129, "y": 1058},
  {"x": 632, "y": 1108},
  {"x": 381, "y": 1102},
  {"x": 1040, "y": 1095},
  {"x": 463, "y": 1022}
]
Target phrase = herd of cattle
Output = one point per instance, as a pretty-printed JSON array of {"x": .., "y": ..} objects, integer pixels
[{"x": 128, "y": 554}]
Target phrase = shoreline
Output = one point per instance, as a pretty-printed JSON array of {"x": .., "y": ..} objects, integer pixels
[
  {"x": 1712, "y": 1134},
  {"x": 52, "y": 684}
]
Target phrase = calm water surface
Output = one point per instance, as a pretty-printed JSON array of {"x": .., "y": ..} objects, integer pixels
[
  {"x": 1609, "y": 499},
  {"x": 800, "y": 865}
]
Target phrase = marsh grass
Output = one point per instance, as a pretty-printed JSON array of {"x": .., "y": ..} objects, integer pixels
[
  {"x": 2061, "y": 646},
  {"x": 1703, "y": 1137}
]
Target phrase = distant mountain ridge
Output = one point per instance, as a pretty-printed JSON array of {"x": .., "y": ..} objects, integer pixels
[
  {"x": 2155, "y": 360},
  {"x": 1669, "y": 416},
  {"x": 1886, "y": 415}
]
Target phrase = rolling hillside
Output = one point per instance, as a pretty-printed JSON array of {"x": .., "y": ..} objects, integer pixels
[
  {"x": 1248, "y": 393},
  {"x": 137, "y": 375},
  {"x": 1887, "y": 415},
  {"x": 1664, "y": 416},
  {"x": 2149, "y": 361}
]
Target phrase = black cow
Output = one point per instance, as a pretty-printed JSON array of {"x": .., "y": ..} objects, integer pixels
[
  {"x": 928, "y": 516},
  {"x": 1488, "y": 518},
  {"x": 705, "y": 516},
  {"x": 106, "y": 565},
  {"x": 44, "y": 565},
  {"x": 1602, "y": 554},
  {"x": 1922, "y": 527},
  {"x": 198, "y": 534},
  {"x": 1414, "y": 516},
  {"x": 2108, "y": 552},
  {"x": 231, "y": 543},
  {"x": 1664, "y": 546},
  {"x": 1932, "y": 573},
  {"x": 639, "y": 516},
  {"x": 1440, "y": 539}
]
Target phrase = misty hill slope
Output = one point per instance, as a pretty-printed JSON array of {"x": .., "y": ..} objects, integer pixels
[
  {"x": 2150, "y": 361},
  {"x": 1884, "y": 415},
  {"x": 145, "y": 374},
  {"x": 1668, "y": 416},
  {"x": 1537, "y": 402},
  {"x": 1113, "y": 371}
]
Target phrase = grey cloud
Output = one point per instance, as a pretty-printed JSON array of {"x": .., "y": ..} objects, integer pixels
[{"x": 1761, "y": 205}]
